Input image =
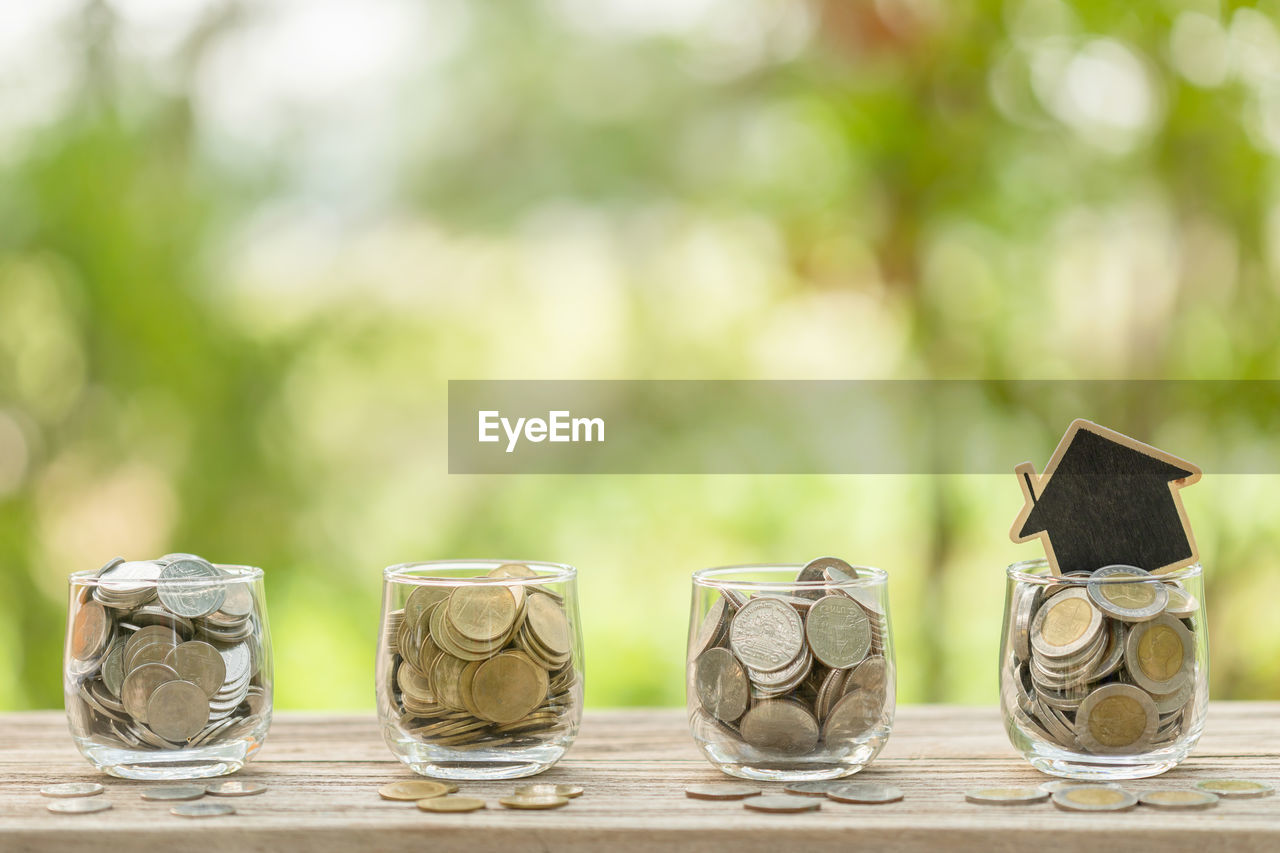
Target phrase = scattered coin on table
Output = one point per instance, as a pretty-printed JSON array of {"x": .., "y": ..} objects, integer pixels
[
  {"x": 1236, "y": 788},
  {"x": 72, "y": 789},
  {"x": 515, "y": 802},
  {"x": 418, "y": 789},
  {"x": 1094, "y": 798},
  {"x": 781, "y": 804},
  {"x": 173, "y": 793},
  {"x": 204, "y": 809},
  {"x": 235, "y": 788},
  {"x": 82, "y": 805},
  {"x": 1178, "y": 799},
  {"x": 1006, "y": 796},
  {"x": 451, "y": 803},
  {"x": 864, "y": 793},
  {"x": 721, "y": 791},
  {"x": 547, "y": 789}
]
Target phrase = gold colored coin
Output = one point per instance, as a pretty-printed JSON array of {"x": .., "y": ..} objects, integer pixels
[
  {"x": 1117, "y": 721},
  {"x": 1235, "y": 787},
  {"x": 1132, "y": 596},
  {"x": 1178, "y": 799},
  {"x": 508, "y": 687},
  {"x": 417, "y": 789},
  {"x": 1160, "y": 653},
  {"x": 546, "y": 789},
  {"x": 482, "y": 613},
  {"x": 516, "y": 802},
  {"x": 451, "y": 804},
  {"x": 1067, "y": 621},
  {"x": 1094, "y": 798}
]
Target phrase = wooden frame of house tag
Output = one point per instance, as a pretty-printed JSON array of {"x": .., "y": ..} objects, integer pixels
[{"x": 1105, "y": 499}]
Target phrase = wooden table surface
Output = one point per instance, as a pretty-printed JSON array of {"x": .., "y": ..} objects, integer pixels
[{"x": 324, "y": 771}]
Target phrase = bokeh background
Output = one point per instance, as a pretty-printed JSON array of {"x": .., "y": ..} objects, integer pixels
[{"x": 243, "y": 246}]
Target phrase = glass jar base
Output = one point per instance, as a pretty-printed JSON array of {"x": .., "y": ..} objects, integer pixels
[
  {"x": 776, "y": 774},
  {"x": 1085, "y": 771},
  {"x": 747, "y": 763},
  {"x": 498, "y": 762},
  {"x": 200, "y": 763}
]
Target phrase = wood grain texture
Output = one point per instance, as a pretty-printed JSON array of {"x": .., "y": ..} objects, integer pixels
[{"x": 324, "y": 771}]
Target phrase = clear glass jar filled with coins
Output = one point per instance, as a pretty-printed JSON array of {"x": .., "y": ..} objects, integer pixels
[
  {"x": 167, "y": 671},
  {"x": 790, "y": 672},
  {"x": 1104, "y": 674},
  {"x": 479, "y": 666}
]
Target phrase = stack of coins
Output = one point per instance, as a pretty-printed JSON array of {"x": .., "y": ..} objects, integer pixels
[
  {"x": 1103, "y": 666},
  {"x": 485, "y": 664},
  {"x": 793, "y": 674},
  {"x": 164, "y": 654}
]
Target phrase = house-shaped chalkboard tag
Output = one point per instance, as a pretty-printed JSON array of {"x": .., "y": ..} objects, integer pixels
[{"x": 1106, "y": 499}]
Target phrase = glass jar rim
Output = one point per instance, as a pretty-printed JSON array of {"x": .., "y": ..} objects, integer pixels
[
  {"x": 545, "y": 572},
  {"x": 720, "y": 577},
  {"x": 233, "y": 573},
  {"x": 1036, "y": 572}
]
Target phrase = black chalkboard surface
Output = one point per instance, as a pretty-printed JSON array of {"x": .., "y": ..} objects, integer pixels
[{"x": 1105, "y": 499}]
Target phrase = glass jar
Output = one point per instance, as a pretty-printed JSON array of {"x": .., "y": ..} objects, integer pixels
[
  {"x": 790, "y": 671},
  {"x": 1104, "y": 675},
  {"x": 167, "y": 668},
  {"x": 479, "y": 667}
]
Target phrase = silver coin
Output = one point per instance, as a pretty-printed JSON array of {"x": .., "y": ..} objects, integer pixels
[
  {"x": 814, "y": 572},
  {"x": 200, "y": 663},
  {"x": 177, "y": 710},
  {"x": 202, "y": 809},
  {"x": 767, "y": 634},
  {"x": 238, "y": 660},
  {"x": 782, "y": 804},
  {"x": 190, "y": 587},
  {"x": 838, "y": 631},
  {"x": 781, "y": 726},
  {"x": 72, "y": 789},
  {"x": 239, "y": 599},
  {"x": 1094, "y": 798},
  {"x": 235, "y": 788},
  {"x": 1006, "y": 796},
  {"x": 713, "y": 629},
  {"x": 853, "y": 715},
  {"x": 140, "y": 684},
  {"x": 79, "y": 806},
  {"x": 866, "y": 793},
  {"x": 721, "y": 684},
  {"x": 1139, "y": 601},
  {"x": 166, "y": 793}
]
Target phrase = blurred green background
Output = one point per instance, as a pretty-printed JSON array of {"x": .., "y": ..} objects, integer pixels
[{"x": 244, "y": 245}]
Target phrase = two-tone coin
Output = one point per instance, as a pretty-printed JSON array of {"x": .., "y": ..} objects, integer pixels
[{"x": 1094, "y": 798}]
